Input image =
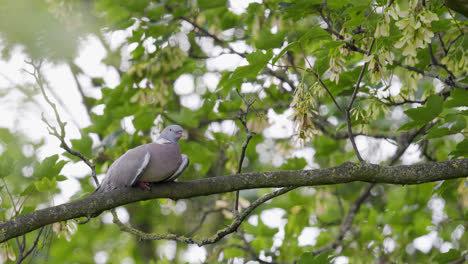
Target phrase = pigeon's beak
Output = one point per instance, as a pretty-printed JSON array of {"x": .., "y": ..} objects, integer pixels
[{"x": 181, "y": 134}]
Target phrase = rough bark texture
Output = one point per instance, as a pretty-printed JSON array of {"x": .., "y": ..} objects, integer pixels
[{"x": 347, "y": 172}]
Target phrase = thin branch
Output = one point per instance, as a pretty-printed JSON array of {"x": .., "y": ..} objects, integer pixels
[
  {"x": 348, "y": 220},
  {"x": 448, "y": 81},
  {"x": 338, "y": 198},
  {"x": 455, "y": 40},
  {"x": 358, "y": 83},
  {"x": 405, "y": 141},
  {"x": 200, "y": 242},
  {"x": 249, "y": 135},
  {"x": 353, "y": 47},
  {"x": 203, "y": 218},
  {"x": 224, "y": 44},
  {"x": 11, "y": 197},
  {"x": 460, "y": 260},
  {"x": 442, "y": 44},
  {"x": 438, "y": 64},
  {"x": 31, "y": 249},
  {"x": 53, "y": 130},
  {"x": 252, "y": 251},
  {"x": 351, "y": 102},
  {"x": 320, "y": 80},
  {"x": 74, "y": 71}
]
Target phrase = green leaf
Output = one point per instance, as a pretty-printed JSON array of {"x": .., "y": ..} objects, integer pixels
[
  {"x": 309, "y": 258},
  {"x": 409, "y": 125},
  {"x": 294, "y": 164},
  {"x": 461, "y": 149},
  {"x": 144, "y": 121},
  {"x": 185, "y": 117},
  {"x": 314, "y": 34},
  {"x": 266, "y": 40},
  {"x": 28, "y": 209},
  {"x": 45, "y": 184},
  {"x": 429, "y": 111},
  {"x": 458, "y": 119},
  {"x": 83, "y": 145},
  {"x": 257, "y": 61},
  {"x": 437, "y": 132},
  {"x": 61, "y": 178},
  {"x": 441, "y": 25},
  {"x": 284, "y": 50},
  {"x": 451, "y": 255},
  {"x": 458, "y": 97},
  {"x": 229, "y": 106},
  {"x": 49, "y": 167},
  {"x": 233, "y": 252},
  {"x": 206, "y": 4},
  {"x": 424, "y": 114},
  {"x": 7, "y": 166}
]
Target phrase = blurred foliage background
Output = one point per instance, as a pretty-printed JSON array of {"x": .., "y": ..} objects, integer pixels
[{"x": 289, "y": 57}]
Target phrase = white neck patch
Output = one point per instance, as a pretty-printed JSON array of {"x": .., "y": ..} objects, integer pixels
[{"x": 162, "y": 141}]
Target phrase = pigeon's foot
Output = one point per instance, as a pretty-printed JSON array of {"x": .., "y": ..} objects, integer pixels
[{"x": 144, "y": 185}]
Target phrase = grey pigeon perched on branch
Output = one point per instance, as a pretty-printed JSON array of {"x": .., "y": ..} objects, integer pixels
[{"x": 153, "y": 162}]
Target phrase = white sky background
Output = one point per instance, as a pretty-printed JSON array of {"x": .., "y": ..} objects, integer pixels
[{"x": 26, "y": 118}]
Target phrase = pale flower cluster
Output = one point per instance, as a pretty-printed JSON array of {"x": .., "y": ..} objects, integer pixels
[
  {"x": 336, "y": 67},
  {"x": 66, "y": 228},
  {"x": 460, "y": 66},
  {"x": 336, "y": 60},
  {"x": 415, "y": 25},
  {"x": 303, "y": 104},
  {"x": 377, "y": 64}
]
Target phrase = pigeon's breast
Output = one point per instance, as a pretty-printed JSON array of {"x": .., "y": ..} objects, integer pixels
[{"x": 165, "y": 159}]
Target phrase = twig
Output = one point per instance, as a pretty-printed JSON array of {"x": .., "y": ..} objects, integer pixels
[
  {"x": 248, "y": 134},
  {"x": 351, "y": 102},
  {"x": 338, "y": 198},
  {"x": 252, "y": 251},
  {"x": 320, "y": 80},
  {"x": 348, "y": 220},
  {"x": 226, "y": 45},
  {"x": 31, "y": 249},
  {"x": 353, "y": 47},
  {"x": 438, "y": 64},
  {"x": 200, "y": 242},
  {"x": 406, "y": 141},
  {"x": 460, "y": 260},
  {"x": 11, "y": 197},
  {"x": 454, "y": 40},
  {"x": 442, "y": 44},
  {"x": 202, "y": 220},
  {"x": 53, "y": 130}
]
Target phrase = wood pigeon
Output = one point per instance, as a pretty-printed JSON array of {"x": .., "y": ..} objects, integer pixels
[{"x": 154, "y": 162}]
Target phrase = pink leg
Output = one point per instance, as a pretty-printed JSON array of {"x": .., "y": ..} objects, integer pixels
[{"x": 144, "y": 185}]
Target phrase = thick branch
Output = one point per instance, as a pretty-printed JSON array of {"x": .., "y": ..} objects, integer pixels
[{"x": 347, "y": 172}]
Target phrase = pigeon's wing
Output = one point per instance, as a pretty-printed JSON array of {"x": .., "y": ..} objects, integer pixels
[
  {"x": 165, "y": 160},
  {"x": 182, "y": 167},
  {"x": 127, "y": 169}
]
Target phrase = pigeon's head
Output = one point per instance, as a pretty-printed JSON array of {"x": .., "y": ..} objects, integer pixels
[{"x": 172, "y": 133}]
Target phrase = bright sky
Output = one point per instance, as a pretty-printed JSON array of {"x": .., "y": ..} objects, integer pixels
[{"x": 26, "y": 118}]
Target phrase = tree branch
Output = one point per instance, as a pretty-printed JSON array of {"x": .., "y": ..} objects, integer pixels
[
  {"x": 200, "y": 242},
  {"x": 347, "y": 172}
]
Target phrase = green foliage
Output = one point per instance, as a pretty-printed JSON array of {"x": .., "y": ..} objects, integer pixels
[
  {"x": 272, "y": 43},
  {"x": 309, "y": 258}
]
